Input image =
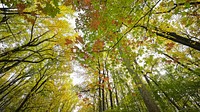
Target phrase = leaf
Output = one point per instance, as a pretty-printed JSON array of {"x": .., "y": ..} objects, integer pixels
[
  {"x": 114, "y": 22},
  {"x": 21, "y": 7},
  {"x": 171, "y": 4},
  {"x": 55, "y": 2},
  {"x": 33, "y": 13},
  {"x": 85, "y": 99},
  {"x": 170, "y": 46},
  {"x": 176, "y": 59},
  {"x": 67, "y": 42},
  {"x": 79, "y": 39},
  {"x": 87, "y": 2},
  {"x": 98, "y": 45},
  {"x": 94, "y": 24},
  {"x": 133, "y": 94},
  {"x": 51, "y": 10},
  {"x": 106, "y": 79},
  {"x": 39, "y": 7},
  {"x": 101, "y": 75},
  {"x": 168, "y": 61},
  {"x": 32, "y": 21},
  {"x": 187, "y": 5}
]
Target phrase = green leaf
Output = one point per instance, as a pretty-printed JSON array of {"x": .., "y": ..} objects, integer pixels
[
  {"x": 187, "y": 5},
  {"x": 51, "y": 10}
]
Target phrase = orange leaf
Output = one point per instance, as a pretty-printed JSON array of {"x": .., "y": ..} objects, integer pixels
[
  {"x": 170, "y": 46},
  {"x": 33, "y": 13},
  {"x": 114, "y": 22},
  {"x": 129, "y": 21},
  {"x": 87, "y": 2},
  {"x": 85, "y": 99},
  {"x": 21, "y": 7},
  {"x": 32, "y": 21},
  {"x": 98, "y": 45},
  {"x": 80, "y": 39},
  {"x": 67, "y": 42},
  {"x": 95, "y": 24},
  {"x": 168, "y": 61},
  {"x": 176, "y": 59},
  {"x": 68, "y": 2},
  {"x": 106, "y": 79}
]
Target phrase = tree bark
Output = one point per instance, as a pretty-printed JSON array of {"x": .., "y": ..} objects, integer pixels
[
  {"x": 146, "y": 95},
  {"x": 100, "y": 106},
  {"x": 166, "y": 95},
  {"x": 175, "y": 37}
]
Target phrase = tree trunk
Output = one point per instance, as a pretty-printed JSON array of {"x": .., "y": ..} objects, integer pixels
[
  {"x": 100, "y": 106},
  {"x": 166, "y": 95},
  {"x": 146, "y": 95}
]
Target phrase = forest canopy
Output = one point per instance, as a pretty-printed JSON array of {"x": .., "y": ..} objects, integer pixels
[{"x": 129, "y": 55}]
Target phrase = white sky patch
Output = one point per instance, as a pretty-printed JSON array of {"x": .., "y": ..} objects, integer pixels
[{"x": 78, "y": 73}]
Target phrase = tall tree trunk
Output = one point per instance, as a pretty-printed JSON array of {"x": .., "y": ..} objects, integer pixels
[
  {"x": 109, "y": 87},
  {"x": 100, "y": 103},
  {"x": 146, "y": 95},
  {"x": 103, "y": 92},
  {"x": 115, "y": 91},
  {"x": 35, "y": 88},
  {"x": 166, "y": 95},
  {"x": 107, "y": 105},
  {"x": 116, "y": 95}
]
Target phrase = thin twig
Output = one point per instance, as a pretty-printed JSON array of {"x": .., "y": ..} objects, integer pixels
[{"x": 33, "y": 28}]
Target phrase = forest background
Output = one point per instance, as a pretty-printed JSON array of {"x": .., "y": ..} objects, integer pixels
[{"x": 130, "y": 55}]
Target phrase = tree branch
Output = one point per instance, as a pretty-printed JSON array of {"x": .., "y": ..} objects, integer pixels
[
  {"x": 176, "y": 5},
  {"x": 175, "y": 37}
]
